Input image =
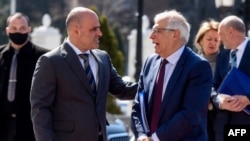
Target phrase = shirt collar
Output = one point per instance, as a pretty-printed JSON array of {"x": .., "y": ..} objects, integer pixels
[
  {"x": 173, "y": 58},
  {"x": 242, "y": 46},
  {"x": 77, "y": 51}
]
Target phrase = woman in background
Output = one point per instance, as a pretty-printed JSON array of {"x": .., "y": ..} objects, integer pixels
[{"x": 207, "y": 43}]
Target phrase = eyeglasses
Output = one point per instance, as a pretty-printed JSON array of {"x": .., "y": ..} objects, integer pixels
[{"x": 158, "y": 30}]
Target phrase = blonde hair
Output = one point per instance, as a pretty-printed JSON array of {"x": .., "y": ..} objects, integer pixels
[{"x": 206, "y": 26}]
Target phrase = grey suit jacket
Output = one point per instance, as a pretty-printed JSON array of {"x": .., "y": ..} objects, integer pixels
[{"x": 63, "y": 107}]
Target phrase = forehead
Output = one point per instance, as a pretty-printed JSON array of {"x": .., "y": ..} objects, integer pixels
[
  {"x": 222, "y": 28},
  {"x": 18, "y": 21},
  {"x": 160, "y": 23},
  {"x": 211, "y": 33},
  {"x": 91, "y": 20}
]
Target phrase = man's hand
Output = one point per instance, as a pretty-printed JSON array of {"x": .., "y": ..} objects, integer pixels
[
  {"x": 234, "y": 103},
  {"x": 144, "y": 138}
]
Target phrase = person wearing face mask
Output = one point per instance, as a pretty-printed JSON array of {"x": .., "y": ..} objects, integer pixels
[{"x": 17, "y": 63}]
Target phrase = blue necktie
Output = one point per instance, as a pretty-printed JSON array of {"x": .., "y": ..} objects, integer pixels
[
  {"x": 88, "y": 72},
  {"x": 233, "y": 58},
  {"x": 157, "y": 97}
]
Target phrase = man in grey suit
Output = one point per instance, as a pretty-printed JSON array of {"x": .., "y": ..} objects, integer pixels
[{"x": 65, "y": 106}]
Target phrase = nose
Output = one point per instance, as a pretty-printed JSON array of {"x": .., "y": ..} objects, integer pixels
[
  {"x": 99, "y": 32},
  {"x": 151, "y": 36},
  {"x": 214, "y": 42}
]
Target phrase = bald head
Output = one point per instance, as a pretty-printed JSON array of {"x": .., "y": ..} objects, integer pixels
[
  {"x": 234, "y": 22},
  {"x": 83, "y": 28},
  {"x": 232, "y": 31},
  {"x": 76, "y": 16}
]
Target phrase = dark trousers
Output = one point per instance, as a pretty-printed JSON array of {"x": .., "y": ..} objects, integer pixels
[
  {"x": 8, "y": 132},
  {"x": 100, "y": 138},
  {"x": 210, "y": 122},
  {"x": 219, "y": 136}
]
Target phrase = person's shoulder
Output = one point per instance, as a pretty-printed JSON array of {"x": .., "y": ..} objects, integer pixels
[
  {"x": 3, "y": 46},
  {"x": 99, "y": 51},
  {"x": 224, "y": 52},
  {"x": 192, "y": 59},
  {"x": 39, "y": 48},
  {"x": 53, "y": 55},
  {"x": 152, "y": 58},
  {"x": 193, "y": 55}
]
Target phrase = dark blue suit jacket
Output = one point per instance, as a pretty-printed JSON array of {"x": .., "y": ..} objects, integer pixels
[
  {"x": 183, "y": 114},
  {"x": 222, "y": 67}
]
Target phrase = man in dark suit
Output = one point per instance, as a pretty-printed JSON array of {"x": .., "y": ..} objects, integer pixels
[
  {"x": 65, "y": 106},
  {"x": 15, "y": 121},
  {"x": 230, "y": 108},
  {"x": 186, "y": 86}
]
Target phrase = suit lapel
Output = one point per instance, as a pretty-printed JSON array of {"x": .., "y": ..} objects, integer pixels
[
  {"x": 245, "y": 60},
  {"x": 174, "y": 79},
  {"x": 100, "y": 72},
  {"x": 75, "y": 65}
]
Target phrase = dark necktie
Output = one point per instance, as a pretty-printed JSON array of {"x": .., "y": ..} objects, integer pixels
[
  {"x": 88, "y": 72},
  {"x": 12, "y": 78},
  {"x": 233, "y": 58},
  {"x": 157, "y": 97}
]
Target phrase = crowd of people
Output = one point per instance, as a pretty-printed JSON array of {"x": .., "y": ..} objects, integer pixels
[{"x": 61, "y": 94}]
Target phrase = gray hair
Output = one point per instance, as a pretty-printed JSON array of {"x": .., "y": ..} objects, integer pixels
[{"x": 176, "y": 20}]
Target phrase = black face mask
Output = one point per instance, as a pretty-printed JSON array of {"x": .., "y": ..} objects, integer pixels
[{"x": 18, "y": 38}]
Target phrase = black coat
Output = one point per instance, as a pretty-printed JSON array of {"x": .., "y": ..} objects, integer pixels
[{"x": 27, "y": 58}]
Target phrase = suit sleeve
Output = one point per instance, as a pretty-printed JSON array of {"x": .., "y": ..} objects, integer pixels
[
  {"x": 119, "y": 88},
  {"x": 42, "y": 97},
  {"x": 221, "y": 69},
  {"x": 136, "y": 117}
]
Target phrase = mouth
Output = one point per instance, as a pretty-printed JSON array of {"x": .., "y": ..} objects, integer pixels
[
  {"x": 212, "y": 48},
  {"x": 156, "y": 44},
  {"x": 97, "y": 40}
]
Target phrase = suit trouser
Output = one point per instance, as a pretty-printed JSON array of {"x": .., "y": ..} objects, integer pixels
[
  {"x": 9, "y": 134},
  {"x": 219, "y": 136},
  {"x": 100, "y": 138}
]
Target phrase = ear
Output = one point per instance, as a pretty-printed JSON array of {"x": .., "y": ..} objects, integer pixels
[
  {"x": 30, "y": 29},
  {"x": 230, "y": 31},
  {"x": 7, "y": 31},
  {"x": 77, "y": 30},
  {"x": 176, "y": 34},
  {"x": 201, "y": 42}
]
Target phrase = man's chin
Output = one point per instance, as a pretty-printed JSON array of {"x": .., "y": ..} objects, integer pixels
[{"x": 156, "y": 50}]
